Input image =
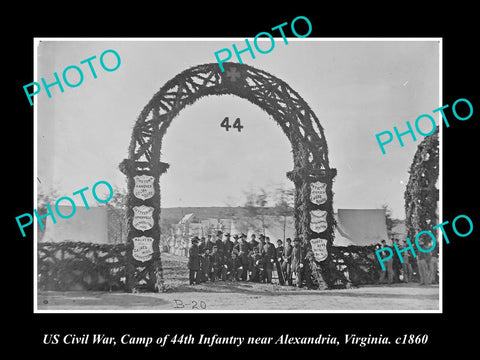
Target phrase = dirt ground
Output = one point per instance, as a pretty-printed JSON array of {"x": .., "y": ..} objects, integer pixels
[{"x": 233, "y": 296}]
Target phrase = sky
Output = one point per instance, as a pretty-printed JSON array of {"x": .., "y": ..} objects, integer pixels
[{"x": 356, "y": 88}]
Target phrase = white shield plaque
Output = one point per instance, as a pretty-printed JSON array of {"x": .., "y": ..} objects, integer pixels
[
  {"x": 142, "y": 217},
  {"x": 143, "y": 187},
  {"x": 318, "y": 192},
  {"x": 319, "y": 248},
  {"x": 142, "y": 248},
  {"x": 318, "y": 220}
]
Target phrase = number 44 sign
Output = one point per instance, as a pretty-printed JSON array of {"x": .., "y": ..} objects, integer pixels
[{"x": 236, "y": 125}]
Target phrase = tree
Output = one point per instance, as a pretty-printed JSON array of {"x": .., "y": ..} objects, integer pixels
[
  {"x": 230, "y": 213},
  {"x": 242, "y": 224},
  {"x": 117, "y": 223},
  {"x": 44, "y": 197},
  {"x": 389, "y": 221},
  {"x": 284, "y": 205},
  {"x": 255, "y": 206},
  {"x": 261, "y": 202}
]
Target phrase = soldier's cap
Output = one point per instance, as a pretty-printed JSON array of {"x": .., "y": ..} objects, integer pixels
[
  {"x": 219, "y": 233},
  {"x": 195, "y": 240},
  {"x": 227, "y": 234},
  {"x": 243, "y": 235},
  {"x": 235, "y": 236},
  {"x": 288, "y": 239},
  {"x": 296, "y": 239},
  {"x": 279, "y": 241},
  {"x": 262, "y": 236}
]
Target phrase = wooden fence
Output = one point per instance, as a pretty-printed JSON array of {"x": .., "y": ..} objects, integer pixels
[
  {"x": 81, "y": 266},
  {"x": 101, "y": 267}
]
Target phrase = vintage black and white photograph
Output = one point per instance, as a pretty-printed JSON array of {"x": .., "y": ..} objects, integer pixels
[{"x": 209, "y": 174}]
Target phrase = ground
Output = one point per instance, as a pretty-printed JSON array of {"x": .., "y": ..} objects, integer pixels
[{"x": 243, "y": 296}]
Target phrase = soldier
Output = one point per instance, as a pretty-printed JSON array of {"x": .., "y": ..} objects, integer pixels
[
  {"x": 378, "y": 266},
  {"x": 255, "y": 265},
  {"x": 201, "y": 245},
  {"x": 269, "y": 259},
  {"x": 227, "y": 247},
  {"x": 261, "y": 251},
  {"x": 201, "y": 252},
  {"x": 235, "y": 243},
  {"x": 234, "y": 267},
  {"x": 434, "y": 269},
  {"x": 308, "y": 269},
  {"x": 225, "y": 268},
  {"x": 279, "y": 260},
  {"x": 389, "y": 268},
  {"x": 306, "y": 245},
  {"x": 216, "y": 261},
  {"x": 206, "y": 265},
  {"x": 288, "y": 260},
  {"x": 261, "y": 244},
  {"x": 279, "y": 251},
  {"x": 243, "y": 250},
  {"x": 396, "y": 264},
  {"x": 297, "y": 262},
  {"x": 219, "y": 242},
  {"x": 194, "y": 262},
  {"x": 406, "y": 266},
  {"x": 424, "y": 264},
  {"x": 210, "y": 243},
  {"x": 253, "y": 242}
]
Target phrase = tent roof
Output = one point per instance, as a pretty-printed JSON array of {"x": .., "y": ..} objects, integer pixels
[
  {"x": 361, "y": 226},
  {"x": 342, "y": 238},
  {"x": 186, "y": 218}
]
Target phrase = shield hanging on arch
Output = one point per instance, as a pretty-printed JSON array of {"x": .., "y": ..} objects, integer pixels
[
  {"x": 142, "y": 217},
  {"x": 319, "y": 248},
  {"x": 143, "y": 188},
  {"x": 318, "y": 192},
  {"x": 142, "y": 248},
  {"x": 318, "y": 220}
]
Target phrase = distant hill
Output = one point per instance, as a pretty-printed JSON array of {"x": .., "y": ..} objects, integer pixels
[{"x": 173, "y": 215}]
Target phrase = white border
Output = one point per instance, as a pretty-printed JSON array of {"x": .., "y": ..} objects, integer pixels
[
  {"x": 36, "y": 42},
  {"x": 35, "y": 169}
]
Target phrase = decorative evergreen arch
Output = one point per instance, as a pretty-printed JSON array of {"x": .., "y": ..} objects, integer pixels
[
  {"x": 278, "y": 99},
  {"x": 421, "y": 195}
]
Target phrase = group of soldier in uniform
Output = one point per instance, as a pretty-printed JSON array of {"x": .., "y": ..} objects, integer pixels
[
  {"x": 232, "y": 258},
  {"x": 402, "y": 271}
]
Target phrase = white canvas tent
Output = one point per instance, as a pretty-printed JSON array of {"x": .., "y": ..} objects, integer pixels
[
  {"x": 187, "y": 218},
  {"x": 342, "y": 238},
  {"x": 87, "y": 225},
  {"x": 361, "y": 227}
]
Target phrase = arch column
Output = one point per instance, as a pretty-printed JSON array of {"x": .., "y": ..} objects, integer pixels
[
  {"x": 143, "y": 270},
  {"x": 314, "y": 219}
]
